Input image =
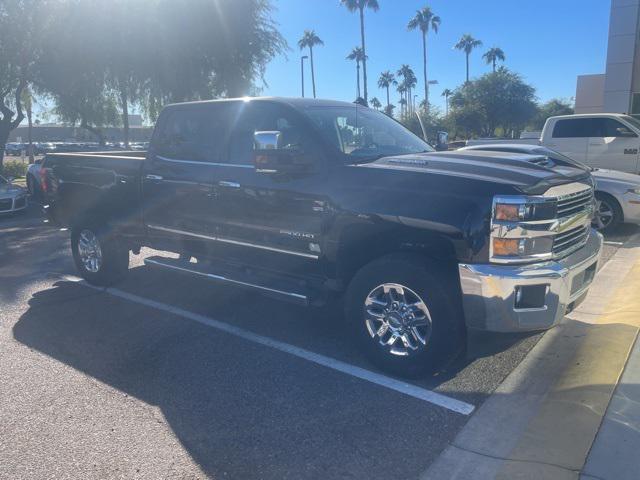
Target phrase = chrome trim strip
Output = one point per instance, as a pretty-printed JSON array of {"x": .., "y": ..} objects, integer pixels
[
  {"x": 225, "y": 279},
  {"x": 233, "y": 242},
  {"x": 215, "y": 164}
]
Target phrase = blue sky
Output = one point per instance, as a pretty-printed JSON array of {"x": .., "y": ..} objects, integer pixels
[{"x": 548, "y": 42}]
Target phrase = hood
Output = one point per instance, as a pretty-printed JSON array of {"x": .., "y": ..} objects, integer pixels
[
  {"x": 9, "y": 189},
  {"x": 528, "y": 173}
]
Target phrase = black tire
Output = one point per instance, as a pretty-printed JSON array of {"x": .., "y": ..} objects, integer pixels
[
  {"x": 434, "y": 286},
  {"x": 114, "y": 263},
  {"x": 613, "y": 209}
]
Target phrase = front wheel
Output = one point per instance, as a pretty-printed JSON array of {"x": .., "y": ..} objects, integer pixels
[
  {"x": 608, "y": 212},
  {"x": 403, "y": 314},
  {"x": 98, "y": 256}
]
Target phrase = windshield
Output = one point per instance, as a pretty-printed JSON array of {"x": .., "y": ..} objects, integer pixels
[
  {"x": 364, "y": 134},
  {"x": 633, "y": 121}
]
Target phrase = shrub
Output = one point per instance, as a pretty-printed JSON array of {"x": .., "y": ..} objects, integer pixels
[{"x": 14, "y": 168}]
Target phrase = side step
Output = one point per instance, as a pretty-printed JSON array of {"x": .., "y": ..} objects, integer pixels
[{"x": 278, "y": 288}]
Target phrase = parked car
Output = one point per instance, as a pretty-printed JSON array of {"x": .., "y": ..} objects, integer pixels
[
  {"x": 13, "y": 198},
  {"x": 266, "y": 195},
  {"x": 601, "y": 140},
  {"x": 33, "y": 178},
  {"x": 14, "y": 149},
  {"x": 617, "y": 193},
  {"x": 41, "y": 148}
]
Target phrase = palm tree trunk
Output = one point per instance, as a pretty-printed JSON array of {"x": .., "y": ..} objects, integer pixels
[
  {"x": 124, "y": 99},
  {"x": 426, "y": 82},
  {"x": 364, "y": 58},
  {"x": 494, "y": 65},
  {"x": 30, "y": 133},
  {"x": 388, "y": 103},
  {"x": 313, "y": 75},
  {"x": 358, "y": 75},
  {"x": 467, "y": 68}
]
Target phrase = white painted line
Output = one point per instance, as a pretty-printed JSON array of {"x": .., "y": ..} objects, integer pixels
[{"x": 346, "y": 368}]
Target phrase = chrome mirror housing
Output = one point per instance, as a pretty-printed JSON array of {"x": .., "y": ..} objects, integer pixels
[{"x": 268, "y": 140}]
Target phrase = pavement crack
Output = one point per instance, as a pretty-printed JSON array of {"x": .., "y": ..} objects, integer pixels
[{"x": 521, "y": 460}]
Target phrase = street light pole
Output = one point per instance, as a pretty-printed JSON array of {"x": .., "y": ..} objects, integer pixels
[{"x": 302, "y": 58}]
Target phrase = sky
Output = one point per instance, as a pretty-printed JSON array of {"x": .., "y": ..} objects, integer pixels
[{"x": 548, "y": 42}]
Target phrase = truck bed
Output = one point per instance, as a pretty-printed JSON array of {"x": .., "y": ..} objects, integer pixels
[{"x": 106, "y": 184}]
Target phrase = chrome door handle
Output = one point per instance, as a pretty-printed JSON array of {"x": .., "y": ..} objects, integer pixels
[
  {"x": 229, "y": 184},
  {"x": 156, "y": 178}
]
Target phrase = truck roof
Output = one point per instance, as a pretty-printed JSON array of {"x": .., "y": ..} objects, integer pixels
[
  {"x": 589, "y": 115},
  {"x": 293, "y": 101}
]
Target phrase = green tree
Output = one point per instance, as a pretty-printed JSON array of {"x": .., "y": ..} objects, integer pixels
[
  {"x": 492, "y": 55},
  {"x": 424, "y": 20},
  {"x": 551, "y": 108},
  {"x": 375, "y": 103},
  {"x": 358, "y": 55},
  {"x": 310, "y": 40},
  {"x": 21, "y": 24},
  {"x": 359, "y": 6},
  {"x": 446, "y": 93},
  {"x": 467, "y": 44},
  {"x": 495, "y": 100},
  {"x": 386, "y": 81}
]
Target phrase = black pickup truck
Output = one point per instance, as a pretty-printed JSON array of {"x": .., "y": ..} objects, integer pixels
[{"x": 304, "y": 199}]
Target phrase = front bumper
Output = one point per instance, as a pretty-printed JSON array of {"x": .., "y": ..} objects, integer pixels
[
  {"x": 489, "y": 291},
  {"x": 13, "y": 204}
]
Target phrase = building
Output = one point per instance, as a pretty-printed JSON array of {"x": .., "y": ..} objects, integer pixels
[
  {"x": 618, "y": 89},
  {"x": 52, "y": 132}
]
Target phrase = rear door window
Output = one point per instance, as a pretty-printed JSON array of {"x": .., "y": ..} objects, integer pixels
[
  {"x": 193, "y": 134},
  {"x": 577, "y": 128}
]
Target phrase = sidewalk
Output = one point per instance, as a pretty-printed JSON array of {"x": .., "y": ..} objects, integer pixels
[{"x": 567, "y": 411}]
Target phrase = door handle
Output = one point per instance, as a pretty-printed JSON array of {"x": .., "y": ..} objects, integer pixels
[
  {"x": 229, "y": 184},
  {"x": 155, "y": 178}
]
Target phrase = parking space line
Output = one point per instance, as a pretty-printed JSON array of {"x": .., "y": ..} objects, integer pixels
[{"x": 340, "y": 366}]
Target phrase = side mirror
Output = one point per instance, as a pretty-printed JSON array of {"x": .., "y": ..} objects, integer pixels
[
  {"x": 442, "y": 143},
  {"x": 270, "y": 157},
  {"x": 624, "y": 132}
]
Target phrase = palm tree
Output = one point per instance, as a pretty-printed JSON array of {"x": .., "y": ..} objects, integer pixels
[
  {"x": 360, "y": 5},
  {"x": 402, "y": 90},
  {"x": 358, "y": 55},
  {"x": 309, "y": 40},
  {"x": 425, "y": 20},
  {"x": 386, "y": 80},
  {"x": 375, "y": 103},
  {"x": 466, "y": 44},
  {"x": 493, "y": 55},
  {"x": 409, "y": 81},
  {"x": 446, "y": 93}
]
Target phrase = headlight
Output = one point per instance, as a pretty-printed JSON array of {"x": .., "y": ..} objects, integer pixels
[
  {"x": 522, "y": 212},
  {"x": 634, "y": 190},
  {"x": 508, "y": 247}
]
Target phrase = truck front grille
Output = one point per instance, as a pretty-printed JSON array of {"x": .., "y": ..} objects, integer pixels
[
  {"x": 570, "y": 240},
  {"x": 575, "y": 203}
]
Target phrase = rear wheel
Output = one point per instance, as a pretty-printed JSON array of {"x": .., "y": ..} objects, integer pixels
[
  {"x": 99, "y": 257},
  {"x": 403, "y": 315},
  {"x": 608, "y": 212}
]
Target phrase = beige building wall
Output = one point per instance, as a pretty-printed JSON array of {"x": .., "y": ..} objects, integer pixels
[{"x": 590, "y": 93}]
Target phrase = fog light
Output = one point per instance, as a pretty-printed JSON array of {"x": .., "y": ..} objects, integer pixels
[
  {"x": 530, "y": 296},
  {"x": 508, "y": 247}
]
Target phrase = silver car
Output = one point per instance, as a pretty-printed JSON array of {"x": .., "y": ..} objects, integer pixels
[
  {"x": 13, "y": 198},
  {"x": 617, "y": 193}
]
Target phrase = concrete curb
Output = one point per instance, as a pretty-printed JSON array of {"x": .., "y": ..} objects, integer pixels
[{"x": 542, "y": 420}]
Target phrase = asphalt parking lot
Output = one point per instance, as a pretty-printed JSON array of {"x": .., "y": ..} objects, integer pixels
[{"x": 169, "y": 377}]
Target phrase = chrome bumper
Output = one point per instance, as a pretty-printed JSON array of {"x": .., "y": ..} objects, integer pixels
[{"x": 489, "y": 291}]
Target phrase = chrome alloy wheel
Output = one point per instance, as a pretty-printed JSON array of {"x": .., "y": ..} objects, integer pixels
[
  {"x": 89, "y": 251},
  {"x": 604, "y": 215},
  {"x": 398, "y": 318}
]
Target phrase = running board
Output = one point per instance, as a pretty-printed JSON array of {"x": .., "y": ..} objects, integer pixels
[{"x": 284, "y": 292}]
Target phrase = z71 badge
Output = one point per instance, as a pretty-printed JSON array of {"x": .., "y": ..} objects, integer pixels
[{"x": 630, "y": 151}]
